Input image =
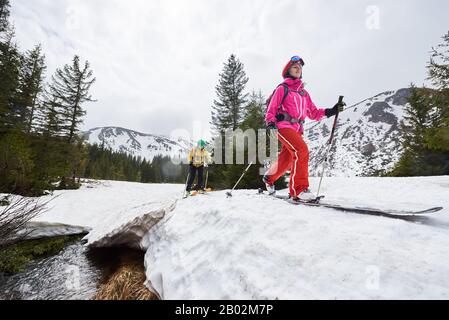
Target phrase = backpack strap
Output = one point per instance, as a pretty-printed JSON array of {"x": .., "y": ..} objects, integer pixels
[{"x": 286, "y": 90}]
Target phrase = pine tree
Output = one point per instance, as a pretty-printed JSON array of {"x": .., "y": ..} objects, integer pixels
[
  {"x": 254, "y": 113},
  {"x": 10, "y": 64},
  {"x": 254, "y": 119},
  {"x": 146, "y": 172},
  {"x": 413, "y": 127},
  {"x": 52, "y": 151},
  {"x": 71, "y": 86},
  {"x": 426, "y": 122},
  {"x": 9, "y": 68},
  {"x": 227, "y": 110},
  {"x": 438, "y": 66},
  {"x": 419, "y": 119},
  {"x": 4, "y": 15},
  {"x": 30, "y": 85},
  {"x": 16, "y": 165},
  {"x": 58, "y": 118},
  {"x": 438, "y": 74},
  {"x": 48, "y": 121}
]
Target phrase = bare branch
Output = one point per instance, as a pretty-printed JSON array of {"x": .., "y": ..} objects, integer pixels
[{"x": 17, "y": 214}]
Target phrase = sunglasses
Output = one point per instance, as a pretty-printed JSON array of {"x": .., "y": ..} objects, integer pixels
[{"x": 297, "y": 59}]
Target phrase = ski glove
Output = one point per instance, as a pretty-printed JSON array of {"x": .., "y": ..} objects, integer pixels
[
  {"x": 271, "y": 126},
  {"x": 339, "y": 107}
]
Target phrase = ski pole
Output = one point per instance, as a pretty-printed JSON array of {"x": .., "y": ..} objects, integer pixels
[
  {"x": 184, "y": 192},
  {"x": 331, "y": 140},
  {"x": 229, "y": 194},
  {"x": 207, "y": 178}
]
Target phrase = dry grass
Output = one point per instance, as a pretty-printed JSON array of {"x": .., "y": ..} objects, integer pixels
[{"x": 126, "y": 283}]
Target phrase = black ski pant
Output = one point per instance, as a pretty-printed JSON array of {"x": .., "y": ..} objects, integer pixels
[{"x": 193, "y": 171}]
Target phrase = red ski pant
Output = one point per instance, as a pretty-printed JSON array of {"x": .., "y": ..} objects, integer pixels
[{"x": 294, "y": 156}]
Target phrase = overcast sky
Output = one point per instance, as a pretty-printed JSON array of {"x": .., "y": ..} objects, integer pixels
[{"x": 157, "y": 62}]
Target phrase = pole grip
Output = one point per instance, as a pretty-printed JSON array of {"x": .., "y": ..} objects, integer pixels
[{"x": 340, "y": 100}]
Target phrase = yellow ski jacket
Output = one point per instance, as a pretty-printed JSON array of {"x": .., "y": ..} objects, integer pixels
[{"x": 199, "y": 157}]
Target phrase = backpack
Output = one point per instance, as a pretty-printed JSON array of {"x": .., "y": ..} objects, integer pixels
[{"x": 286, "y": 90}]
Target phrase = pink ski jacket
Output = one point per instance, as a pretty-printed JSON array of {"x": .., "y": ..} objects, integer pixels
[{"x": 297, "y": 104}]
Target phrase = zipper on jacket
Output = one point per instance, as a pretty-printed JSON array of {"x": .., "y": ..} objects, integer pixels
[
  {"x": 296, "y": 102},
  {"x": 299, "y": 114}
]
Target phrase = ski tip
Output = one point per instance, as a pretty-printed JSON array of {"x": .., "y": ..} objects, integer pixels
[
  {"x": 432, "y": 210},
  {"x": 423, "y": 212}
]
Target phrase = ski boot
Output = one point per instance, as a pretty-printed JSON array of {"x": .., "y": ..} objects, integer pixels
[
  {"x": 305, "y": 196},
  {"x": 270, "y": 188}
]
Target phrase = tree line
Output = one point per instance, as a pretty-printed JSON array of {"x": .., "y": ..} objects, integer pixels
[
  {"x": 105, "y": 164},
  {"x": 40, "y": 145}
]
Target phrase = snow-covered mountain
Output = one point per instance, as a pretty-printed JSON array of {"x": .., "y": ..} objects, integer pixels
[
  {"x": 138, "y": 144},
  {"x": 367, "y": 138}
]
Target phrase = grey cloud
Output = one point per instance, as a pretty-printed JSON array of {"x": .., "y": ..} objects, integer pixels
[{"x": 160, "y": 59}]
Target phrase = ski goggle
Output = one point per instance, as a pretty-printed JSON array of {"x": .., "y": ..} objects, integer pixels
[{"x": 297, "y": 59}]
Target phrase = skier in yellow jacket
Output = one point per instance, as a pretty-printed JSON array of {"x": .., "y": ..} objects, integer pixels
[{"x": 199, "y": 158}]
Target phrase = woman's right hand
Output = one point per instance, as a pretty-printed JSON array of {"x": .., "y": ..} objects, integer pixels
[
  {"x": 339, "y": 107},
  {"x": 271, "y": 126}
]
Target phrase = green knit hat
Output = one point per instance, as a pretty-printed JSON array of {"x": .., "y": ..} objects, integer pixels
[{"x": 202, "y": 144}]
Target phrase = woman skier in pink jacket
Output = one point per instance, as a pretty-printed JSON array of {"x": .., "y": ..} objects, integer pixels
[{"x": 287, "y": 111}]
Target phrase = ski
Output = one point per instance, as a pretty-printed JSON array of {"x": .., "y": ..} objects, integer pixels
[
  {"x": 190, "y": 194},
  {"x": 358, "y": 209},
  {"x": 196, "y": 193}
]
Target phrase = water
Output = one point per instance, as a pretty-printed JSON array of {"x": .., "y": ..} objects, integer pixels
[{"x": 72, "y": 274}]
